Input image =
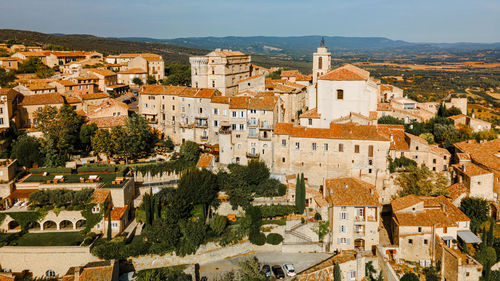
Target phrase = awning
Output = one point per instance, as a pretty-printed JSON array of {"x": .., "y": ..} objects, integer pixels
[
  {"x": 446, "y": 238},
  {"x": 468, "y": 237}
]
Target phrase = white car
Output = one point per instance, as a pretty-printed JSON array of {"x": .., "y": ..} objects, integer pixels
[{"x": 289, "y": 270}]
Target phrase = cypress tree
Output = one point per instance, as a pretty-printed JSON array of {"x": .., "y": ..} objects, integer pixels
[
  {"x": 147, "y": 208},
  {"x": 336, "y": 273},
  {"x": 491, "y": 236},
  {"x": 297, "y": 193},
  {"x": 109, "y": 224}
]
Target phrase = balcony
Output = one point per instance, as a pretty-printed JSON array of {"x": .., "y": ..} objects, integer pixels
[
  {"x": 265, "y": 126},
  {"x": 201, "y": 125},
  {"x": 265, "y": 137},
  {"x": 152, "y": 121},
  {"x": 252, "y": 123},
  {"x": 204, "y": 138},
  {"x": 253, "y": 155},
  {"x": 359, "y": 218},
  {"x": 225, "y": 130},
  {"x": 253, "y": 136}
]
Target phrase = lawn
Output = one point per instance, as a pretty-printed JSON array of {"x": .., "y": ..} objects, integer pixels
[
  {"x": 107, "y": 178},
  {"x": 50, "y": 239}
]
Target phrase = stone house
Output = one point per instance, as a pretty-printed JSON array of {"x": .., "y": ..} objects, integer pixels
[
  {"x": 475, "y": 124},
  {"x": 31, "y": 104},
  {"x": 8, "y": 106}
]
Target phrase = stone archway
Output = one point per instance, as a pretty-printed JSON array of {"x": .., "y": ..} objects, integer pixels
[
  {"x": 80, "y": 224},
  {"x": 65, "y": 225},
  {"x": 359, "y": 244},
  {"x": 34, "y": 226},
  {"x": 49, "y": 225},
  {"x": 14, "y": 225}
]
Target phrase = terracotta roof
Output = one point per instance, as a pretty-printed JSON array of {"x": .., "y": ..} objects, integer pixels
[
  {"x": 416, "y": 138},
  {"x": 336, "y": 131},
  {"x": 347, "y": 72},
  {"x": 455, "y": 117},
  {"x": 251, "y": 77},
  {"x": 384, "y": 107},
  {"x": 263, "y": 103},
  {"x": 438, "y": 150},
  {"x": 100, "y": 196},
  {"x": 437, "y": 211},
  {"x": 470, "y": 169},
  {"x": 302, "y": 77},
  {"x": 151, "y": 57},
  {"x": 396, "y": 133},
  {"x": 463, "y": 157},
  {"x": 228, "y": 53},
  {"x": 239, "y": 102},
  {"x": 109, "y": 122},
  {"x": 42, "y": 99},
  {"x": 87, "y": 77},
  {"x": 351, "y": 192},
  {"x": 21, "y": 193},
  {"x": 385, "y": 87},
  {"x": 71, "y": 53},
  {"x": 66, "y": 83},
  {"x": 7, "y": 277},
  {"x": 72, "y": 100},
  {"x": 220, "y": 99},
  {"x": 107, "y": 104},
  {"x": 133, "y": 71},
  {"x": 294, "y": 85},
  {"x": 94, "y": 96},
  {"x": 96, "y": 271},
  {"x": 163, "y": 90},
  {"x": 320, "y": 201},
  {"x": 457, "y": 189},
  {"x": 117, "y": 213},
  {"x": 311, "y": 113},
  {"x": 103, "y": 72},
  {"x": 10, "y": 93},
  {"x": 486, "y": 153},
  {"x": 205, "y": 160},
  {"x": 290, "y": 73}
]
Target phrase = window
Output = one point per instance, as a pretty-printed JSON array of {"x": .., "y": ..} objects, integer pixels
[
  {"x": 340, "y": 94},
  {"x": 343, "y": 216},
  {"x": 234, "y": 114},
  {"x": 1, "y": 121},
  {"x": 370, "y": 151},
  {"x": 310, "y": 122},
  {"x": 216, "y": 123},
  {"x": 426, "y": 241},
  {"x": 434, "y": 161},
  {"x": 242, "y": 127},
  {"x": 356, "y": 148},
  {"x": 419, "y": 229},
  {"x": 325, "y": 147},
  {"x": 416, "y": 148},
  {"x": 341, "y": 147},
  {"x": 201, "y": 110},
  {"x": 320, "y": 63},
  {"x": 213, "y": 84},
  {"x": 216, "y": 111},
  {"x": 283, "y": 159},
  {"x": 342, "y": 229},
  {"x": 410, "y": 241},
  {"x": 283, "y": 143},
  {"x": 297, "y": 145},
  {"x": 50, "y": 273},
  {"x": 314, "y": 146},
  {"x": 351, "y": 275}
]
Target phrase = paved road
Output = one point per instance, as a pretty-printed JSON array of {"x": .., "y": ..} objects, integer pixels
[{"x": 301, "y": 261}]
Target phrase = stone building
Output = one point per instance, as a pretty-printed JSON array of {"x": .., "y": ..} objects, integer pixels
[
  {"x": 353, "y": 214},
  {"x": 221, "y": 70},
  {"x": 8, "y": 105},
  {"x": 322, "y": 62}
]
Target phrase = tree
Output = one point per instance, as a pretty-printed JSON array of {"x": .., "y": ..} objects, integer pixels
[
  {"x": 177, "y": 74},
  {"x": 140, "y": 139},
  {"x": 6, "y": 77},
  {"x": 151, "y": 80},
  {"x": 409, "y": 277},
  {"x": 109, "y": 224},
  {"x": 446, "y": 134},
  {"x": 428, "y": 137},
  {"x": 491, "y": 235},
  {"x": 300, "y": 194},
  {"x": 432, "y": 274},
  {"x": 369, "y": 271},
  {"x": 476, "y": 209},
  {"x": 193, "y": 234},
  {"x": 249, "y": 271},
  {"x": 147, "y": 208},
  {"x": 101, "y": 142},
  {"x": 322, "y": 229},
  {"x": 137, "y": 81},
  {"x": 390, "y": 120},
  {"x": 337, "y": 276},
  {"x": 218, "y": 224},
  {"x": 61, "y": 128},
  {"x": 256, "y": 172},
  {"x": 422, "y": 182},
  {"x": 190, "y": 151},
  {"x": 163, "y": 274},
  {"x": 87, "y": 132},
  {"x": 197, "y": 187},
  {"x": 27, "y": 150}
]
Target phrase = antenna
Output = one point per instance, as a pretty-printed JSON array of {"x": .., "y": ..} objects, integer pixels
[{"x": 322, "y": 41}]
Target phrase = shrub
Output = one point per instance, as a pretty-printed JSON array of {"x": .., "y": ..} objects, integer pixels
[
  {"x": 269, "y": 211},
  {"x": 274, "y": 239},
  {"x": 317, "y": 217},
  {"x": 96, "y": 169},
  {"x": 257, "y": 238}
]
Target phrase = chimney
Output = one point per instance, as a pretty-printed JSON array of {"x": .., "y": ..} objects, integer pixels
[
  {"x": 78, "y": 269},
  {"x": 463, "y": 168},
  {"x": 371, "y": 192}
]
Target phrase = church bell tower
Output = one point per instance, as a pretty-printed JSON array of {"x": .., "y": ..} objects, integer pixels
[{"x": 322, "y": 61}]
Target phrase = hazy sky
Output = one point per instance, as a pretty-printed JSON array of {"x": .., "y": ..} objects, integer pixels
[{"x": 410, "y": 20}]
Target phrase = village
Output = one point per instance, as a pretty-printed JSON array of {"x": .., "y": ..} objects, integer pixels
[{"x": 109, "y": 173}]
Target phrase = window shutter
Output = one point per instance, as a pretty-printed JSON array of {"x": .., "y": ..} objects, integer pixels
[
  {"x": 338, "y": 240},
  {"x": 340, "y": 229},
  {"x": 348, "y": 241},
  {"x": 340, "y": 216},
  {"x": 346, "y": 216}
]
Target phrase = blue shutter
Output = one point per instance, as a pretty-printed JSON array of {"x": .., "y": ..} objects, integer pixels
[
  {"x": 348, "y": 241},
  {"x": 338, "y": 240}
]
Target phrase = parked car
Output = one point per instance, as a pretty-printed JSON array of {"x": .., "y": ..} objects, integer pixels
[
  {"x": 133, "y": 99},
  {"x": 136, "y": 93},
  {"x": 278, "y": 272},
  {"x": 289, "y": 270},
  {"x": 266, "y": 269}
]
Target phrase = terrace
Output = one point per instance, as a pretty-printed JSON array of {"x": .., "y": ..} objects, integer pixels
[
  {"x": 73, "y": 238},
  {"x": 104, "y": 180}
]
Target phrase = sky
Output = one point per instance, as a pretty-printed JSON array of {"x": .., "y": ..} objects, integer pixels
[{"x": 409, "y": 20}]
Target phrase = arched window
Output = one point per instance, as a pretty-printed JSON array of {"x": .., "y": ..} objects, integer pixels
[
  {"x": 50, "y": 273},
  {"x": 320, "y": 63},
  {"x": 340, "y": 94}
]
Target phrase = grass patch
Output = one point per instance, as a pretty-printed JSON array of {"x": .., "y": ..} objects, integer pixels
[{"x": 49, "y": 239}]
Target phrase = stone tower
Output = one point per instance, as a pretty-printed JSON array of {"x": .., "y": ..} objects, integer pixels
[{"x": 322, "y": 61}]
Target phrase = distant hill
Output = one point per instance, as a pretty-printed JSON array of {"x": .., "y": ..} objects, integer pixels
[
  {"x": 171, "y": 54},
  {"x": 298, "y": 46}
]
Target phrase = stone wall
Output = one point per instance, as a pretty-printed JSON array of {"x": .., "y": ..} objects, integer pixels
[{"x": 40, "y": 259}]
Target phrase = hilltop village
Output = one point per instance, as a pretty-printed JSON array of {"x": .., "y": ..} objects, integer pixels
[{"x": 111, "y": 171}]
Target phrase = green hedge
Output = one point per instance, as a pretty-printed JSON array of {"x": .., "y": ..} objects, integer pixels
[
  {"x": 122, "y": 171},
  {"x": 96, "y": 169},
  {"x": 257, "y": 238},
  {"x": 168, "y": 167},
  {"x": 269, "y": 211},
  {"x": 50, "y": 170},
  {"x": 274, "y": 238}
]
